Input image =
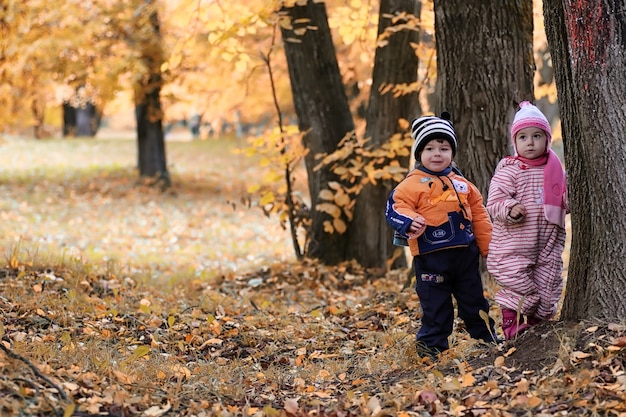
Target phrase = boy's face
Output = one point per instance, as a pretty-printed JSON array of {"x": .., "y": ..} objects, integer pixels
[
  {"x": 437, "y": 155},
  {"x": 531, "y": 142}
]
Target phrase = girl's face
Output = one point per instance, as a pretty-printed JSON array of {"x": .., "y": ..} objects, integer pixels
[
  {"x": 531, "y": 142},
  {"x": 437, "y": 155}
]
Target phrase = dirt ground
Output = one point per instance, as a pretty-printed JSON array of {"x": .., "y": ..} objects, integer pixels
[{"x": 539, "y": 347}]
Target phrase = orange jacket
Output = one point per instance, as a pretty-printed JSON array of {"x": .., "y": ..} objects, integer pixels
[{"x": 452, "y": 206}]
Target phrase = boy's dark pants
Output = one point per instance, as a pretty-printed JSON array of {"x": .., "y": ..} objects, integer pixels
[{"x": 439, "y": 276}]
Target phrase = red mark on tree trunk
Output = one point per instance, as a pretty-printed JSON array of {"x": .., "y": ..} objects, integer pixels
[{"x": 588, "y": 28}]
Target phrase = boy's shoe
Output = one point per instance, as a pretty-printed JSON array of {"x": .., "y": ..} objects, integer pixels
[
  {"x": 496, "y": 340},
  {"x": 424, "y": 351}
]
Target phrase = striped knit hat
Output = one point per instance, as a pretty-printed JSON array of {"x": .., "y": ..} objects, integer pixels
[
  {"x": 529, "y": 115},
  {"x": 426, "y": 128}
]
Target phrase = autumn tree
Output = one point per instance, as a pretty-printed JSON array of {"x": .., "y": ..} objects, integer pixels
[
  {"x": 484, "y": 69},
  {"x": 392, "y": 104},
  {"x": 348, "y": 197},
  {"x": 323, "y": 113},
  {"x": 48, "y": 52},
  {"x": 149, "y": 116},
  {"x": 588, "y": 47},
  {"x": 29, "y": 65}
]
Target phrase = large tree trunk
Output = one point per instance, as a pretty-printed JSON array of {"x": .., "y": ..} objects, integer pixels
[
  {"x": 148, "y": 113},
  {"x": 484, "y": 69},
  {"x": 396, "y": 63},
  {"x": 322, "y": 108},
  {"x": 588, "y": 46}
]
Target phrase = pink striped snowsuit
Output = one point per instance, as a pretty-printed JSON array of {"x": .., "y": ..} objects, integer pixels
[{"x": 524, "y": 255}]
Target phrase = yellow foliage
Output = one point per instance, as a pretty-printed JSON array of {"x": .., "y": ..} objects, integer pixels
[
  {"x": 342, "y": 199},
  {"x": 331, "y": 209},
  {"x": 339, "y": 225},
  {"x": 326, "y": 195},
  {"x": 334, "y": 185},
  {"x": 267, "y": 198}
]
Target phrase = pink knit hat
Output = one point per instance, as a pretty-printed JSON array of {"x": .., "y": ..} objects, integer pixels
[{"x": 529, "y": 115}]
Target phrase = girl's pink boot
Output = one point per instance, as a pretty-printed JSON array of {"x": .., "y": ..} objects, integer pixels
[{"x": 510, "y": 326}]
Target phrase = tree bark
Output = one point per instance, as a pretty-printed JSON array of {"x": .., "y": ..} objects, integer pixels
[
  {"x": 148, "y": 113},
  {"x": 588, "y": 47},
  {"x": 396, "y": 63},
  {"x": 323, "y": 113},
  {"x": 69, "y": 120},
  {"x": 150, "y": 137},
  {"x": 484, "y": 69}
]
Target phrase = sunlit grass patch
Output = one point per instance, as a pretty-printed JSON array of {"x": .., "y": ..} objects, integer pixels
[{"x": 84, "y": 197}]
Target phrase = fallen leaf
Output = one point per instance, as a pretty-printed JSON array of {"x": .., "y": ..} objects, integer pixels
[
  {"x": 621, "y": 342},
  {"x": 451, "y": 385},
  {"x": 123, "y": 378},
  {"x": 374, "y": 406},
  {"x": 291, "y": 405},
  {"x": 510, "y": 352},
  {"x": 156, "y": 411},
  {"x": 70, "y": 386},
  {"x": 468, "y": 380},
  {"x": 427, "y": 397}
]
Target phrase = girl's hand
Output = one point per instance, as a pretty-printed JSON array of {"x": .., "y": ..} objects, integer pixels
[{"x": 517, "y": 212}]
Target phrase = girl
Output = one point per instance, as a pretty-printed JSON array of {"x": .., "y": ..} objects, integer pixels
[{"x": 527, "y": 202}]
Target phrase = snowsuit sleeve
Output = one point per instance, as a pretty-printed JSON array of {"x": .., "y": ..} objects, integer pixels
[{"x": 501, "y": 197}]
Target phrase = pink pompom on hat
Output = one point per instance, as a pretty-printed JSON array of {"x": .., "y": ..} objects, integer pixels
[{"x": 529, "y": 115}]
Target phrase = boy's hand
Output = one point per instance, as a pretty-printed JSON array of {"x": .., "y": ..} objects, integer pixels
[
  {"x": 418, "y": 226},
  {"x": 517, "y": 212}
]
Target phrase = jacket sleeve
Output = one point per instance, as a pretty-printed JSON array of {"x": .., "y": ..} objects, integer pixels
[
  {"x": 399, "y": 211},
  {"x": 481, "y": 223},
  {"x": 501, "y": 199}
]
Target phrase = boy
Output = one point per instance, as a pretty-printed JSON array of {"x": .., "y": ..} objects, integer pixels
[{"x": 447, "y": 227}]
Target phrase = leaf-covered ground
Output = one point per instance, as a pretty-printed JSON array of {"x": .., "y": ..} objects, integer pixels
[{"x": 110, "y": 332}]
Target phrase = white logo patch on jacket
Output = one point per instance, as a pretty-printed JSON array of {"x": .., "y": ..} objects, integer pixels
[{"x": 460, "y": 186}]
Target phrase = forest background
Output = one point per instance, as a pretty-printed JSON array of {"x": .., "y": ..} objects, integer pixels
[{"x": 118, "y": 299}]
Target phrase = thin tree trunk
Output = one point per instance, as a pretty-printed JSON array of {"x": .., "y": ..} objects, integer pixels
[
  {"x": 148, "y": 113},
  {"x": 150, "y": 138},
  {"x": 69, "y": 120},
  {"x": 395, "y": 63},
  {"x": 484, "y": 69},
  {"x": 322, "y": 108},
  {"x": 588, "y": 47}
]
